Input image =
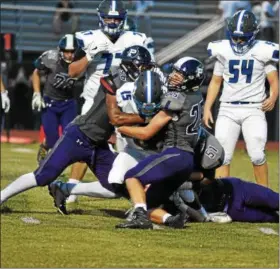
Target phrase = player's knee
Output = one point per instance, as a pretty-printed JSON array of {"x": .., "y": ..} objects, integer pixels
[
  {"x": 257, "y": 157},
  {"x": 45, "y": 176}
]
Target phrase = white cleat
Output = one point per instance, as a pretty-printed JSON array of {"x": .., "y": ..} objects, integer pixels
[
  {"x": 220, "y": 217},
  {"x": 72, "y": 199}
]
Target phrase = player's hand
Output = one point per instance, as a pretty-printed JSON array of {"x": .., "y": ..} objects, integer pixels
[
  {"x": 268, "y": 104},
  {"x": 5, "y": 101},
  {"x": 94, "y": 48},
  {"x": 37, "y": 101},
  {"x": 208, "y": 118}
]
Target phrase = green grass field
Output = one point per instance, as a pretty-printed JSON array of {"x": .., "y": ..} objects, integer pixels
[{"x": 87, "y": 237}]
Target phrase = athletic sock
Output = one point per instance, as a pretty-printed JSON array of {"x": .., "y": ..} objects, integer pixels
[
  {"x": 21, "y": 184},
  {"x": 141, "y": 205}
]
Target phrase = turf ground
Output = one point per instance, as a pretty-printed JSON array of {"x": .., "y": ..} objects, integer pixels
[{"x": 87, "y": 237}]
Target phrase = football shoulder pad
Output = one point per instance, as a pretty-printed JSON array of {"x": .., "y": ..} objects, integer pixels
[
  {"x": 47, "y": 60},
  {"x": 266, "y": 51},
  {"x": 173, "y": 101},
  {"x": 215, "y": 48}
]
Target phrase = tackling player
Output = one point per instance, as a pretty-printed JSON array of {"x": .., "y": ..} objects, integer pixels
[
  {"x": 181, "y": 117},
  {"x": 242, "y": 65}
]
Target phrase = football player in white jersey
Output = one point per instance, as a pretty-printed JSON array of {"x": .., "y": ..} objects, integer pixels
[
  {"x": 100, "y": 50},
  {"x": 242, "y": 64}
]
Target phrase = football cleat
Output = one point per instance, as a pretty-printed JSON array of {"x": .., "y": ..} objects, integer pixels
[
  {"x": 139, "y": 221},
  {"x": 58, "y": 197},
  {"x": 220, "y": 217},
  {"x": 176, "y": 222},
  {"x": 42, "y": 153}
]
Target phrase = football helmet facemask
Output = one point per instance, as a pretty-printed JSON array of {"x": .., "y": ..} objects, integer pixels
[
  {"x": 187, "y": 75},
  {"x": 115, "y": 12},
  {"x": 242, "y": 30}
]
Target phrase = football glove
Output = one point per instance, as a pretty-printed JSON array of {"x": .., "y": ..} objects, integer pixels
[
  {"x": 5, "y": 101},
  {"x": 37, "y": 101}
]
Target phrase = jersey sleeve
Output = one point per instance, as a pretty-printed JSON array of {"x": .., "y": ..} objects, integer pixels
[
  {"x": 84, "y": 39},
  {"x": 268, "y": 52},
  {"x": 46, "y": 61},
  {"x": 107, "y": 84},
  {"x": 218, "y": 68},
  {"x": 269, "y": 67},
  {"x": 172, "y": 101},
  {"x": 215, "y": 50}
]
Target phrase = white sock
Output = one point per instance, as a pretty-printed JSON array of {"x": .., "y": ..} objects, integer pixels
[
  {"x": 21, "y": 184},
  {"x": 165, "y": 216},
  {"x": 92, "y": 189},
  {"x": 73, "y": 181},
  {"x": 141, "y": 205}
]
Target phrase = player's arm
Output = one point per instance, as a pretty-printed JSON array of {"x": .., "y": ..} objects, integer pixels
[
  {"x": 148, "y": 131},
  {"x": 117, "y": 117},
  {"x": 212, "y": 93},
  {"x": 79, "y": 65},
  {"x": 36, "y": 81},
  {"x": 269, "y": 103},
  {"x": 40, "y": 67}
]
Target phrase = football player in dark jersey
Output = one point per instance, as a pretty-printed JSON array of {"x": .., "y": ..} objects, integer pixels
[
  {"x": 181, "y": 117},
  {"x": 57, "y": 101}
]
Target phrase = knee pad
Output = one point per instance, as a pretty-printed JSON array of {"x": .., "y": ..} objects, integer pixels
[{"x": 257, "y": 157}]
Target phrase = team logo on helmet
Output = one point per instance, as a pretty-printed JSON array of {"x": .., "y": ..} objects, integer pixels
[{"x": 133, "y": 52}]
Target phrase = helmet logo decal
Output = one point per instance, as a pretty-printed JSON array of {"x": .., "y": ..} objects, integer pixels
[
  {"x": 199, "y": 72},
  {"x": 240, "y": 19},
  {"x": 132, "y": 53}
]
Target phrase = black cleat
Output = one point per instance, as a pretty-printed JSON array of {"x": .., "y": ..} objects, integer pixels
[
  {"x": 139, "y": 221},
  {"x": 42, "y": 153},
  {"x": 176, "y": 222},
  {"x": 58, "y": 197}
]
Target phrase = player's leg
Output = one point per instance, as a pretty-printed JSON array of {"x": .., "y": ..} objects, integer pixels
[
  {"x": 79, "y": 169},
  {"x": 65, "y": 152},
  {"x": 259, "y": 196},
  {"x": 227, "y": 131},
  {"x": 153, "y": 170},
  {"x": 254, "y": 129},
  {"x": 50, "y": 124}
]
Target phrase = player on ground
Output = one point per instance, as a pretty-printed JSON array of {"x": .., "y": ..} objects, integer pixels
[
  {"x": 242, "y": 64},
  {"x": 181, "y": 116},
  {"x": 58, "y": 104},
  {"x": 101, "y": 50}
]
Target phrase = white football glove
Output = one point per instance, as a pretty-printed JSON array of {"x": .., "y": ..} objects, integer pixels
[
  {"x": 93, "y": 49},
  {"x": 220, "y": 217},
  {"x": 37, "y": 101},
  {"x": 5, "y": 101}
]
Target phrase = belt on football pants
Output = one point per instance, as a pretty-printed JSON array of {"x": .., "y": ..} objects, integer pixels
[{"x": 242, "y": 103}]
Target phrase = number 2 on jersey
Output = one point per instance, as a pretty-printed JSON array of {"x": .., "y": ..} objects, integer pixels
[
  {"x": 195, "y": 112},
  {"x": 246, "y": 69}
]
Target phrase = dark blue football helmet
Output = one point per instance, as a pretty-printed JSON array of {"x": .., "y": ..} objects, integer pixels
[
  {"x": 112, "y": 9},
  {"x": 67, "y": 43},
  {"x": 147, "y": 94},
  {"x": 136, "y": 59},
  {"x": 242, "y": 30},
  {"x": 191, "y": 70}
]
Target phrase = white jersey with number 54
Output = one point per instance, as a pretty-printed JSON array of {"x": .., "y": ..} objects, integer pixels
[
  {"x": 103, "y": 61},
  {"x": 244, "y": 75}
]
